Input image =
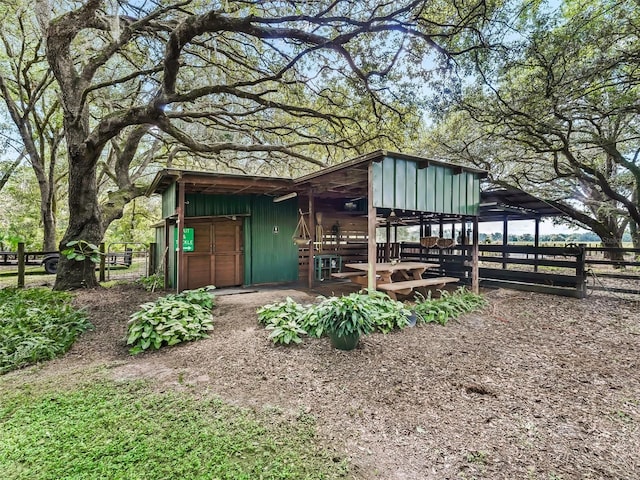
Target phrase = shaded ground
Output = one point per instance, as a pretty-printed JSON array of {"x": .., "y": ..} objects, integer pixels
[{"x": 534, "y": 387}]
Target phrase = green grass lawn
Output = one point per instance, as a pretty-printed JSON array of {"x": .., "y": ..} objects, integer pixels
[{"x": 127, "y": 431}]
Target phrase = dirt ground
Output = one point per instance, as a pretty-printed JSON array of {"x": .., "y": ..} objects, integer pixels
[{"x": 533, "y": 387}]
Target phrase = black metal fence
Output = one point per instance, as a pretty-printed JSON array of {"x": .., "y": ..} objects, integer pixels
[{"x": 571, "y": 270}]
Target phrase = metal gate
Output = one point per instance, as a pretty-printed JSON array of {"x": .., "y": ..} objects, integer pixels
[{"x": 126, "y": 261}]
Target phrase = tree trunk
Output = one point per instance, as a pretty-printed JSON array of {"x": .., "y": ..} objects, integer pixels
[
  {"x": 611, "y": 241},
  {"x": 48, "y": 218},
  {"x": 84, "y": 224},
  {"x": 635, "y": 237}
]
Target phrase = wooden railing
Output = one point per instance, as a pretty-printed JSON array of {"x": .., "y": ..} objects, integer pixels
[
  {"x": 559, "y": 270},
  {"x": 553, "y": 270}
]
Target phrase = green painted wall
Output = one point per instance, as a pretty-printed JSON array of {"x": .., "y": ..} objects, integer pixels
[
  {"x": 270, "y": 255},
  {"x": 207, "y": 205},
  {"x": 403, "y": 185},
  {"x": 169, "y": 201}
]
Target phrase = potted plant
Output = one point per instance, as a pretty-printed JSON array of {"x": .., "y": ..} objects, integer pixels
[{"x": 345, "y": 319}]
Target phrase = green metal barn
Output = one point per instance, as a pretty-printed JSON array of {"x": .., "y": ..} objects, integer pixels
[{"x": 228, "y": 230}]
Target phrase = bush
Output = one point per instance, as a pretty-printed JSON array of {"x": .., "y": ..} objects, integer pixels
[
  {"x": 171, "y": 320},
  {"x": 448, "y": 306},
  {"x": 361, "y": 312},
  {"x": 152, "y": 282},
  {"x": 388, "y": 314},
  {"x": 283, "y": 319},
  {"x": 35, "y": 325}
]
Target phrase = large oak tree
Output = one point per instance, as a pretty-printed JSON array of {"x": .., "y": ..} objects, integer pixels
[
  {"x": 555, "y": 112},
  {"x": 269, "y": 80}
]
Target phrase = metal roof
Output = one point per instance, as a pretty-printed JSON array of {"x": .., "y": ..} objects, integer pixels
[
  {"x": 219, "y": 183},
  {"x": 348, "y": 181},
  {"x": 498, "y": 203}
]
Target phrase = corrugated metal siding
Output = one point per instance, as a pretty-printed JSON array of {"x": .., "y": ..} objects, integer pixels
[
  {"x": 209, "y": 205},
  {"x": 273, "y": 257},
  {"x": 268, "y": 257},
  {"x": 403, "y": 184},
  {"x": 169, "y": 201},
  {"x": 159, "y": 246},
  {"x": 172, "y": 257}
]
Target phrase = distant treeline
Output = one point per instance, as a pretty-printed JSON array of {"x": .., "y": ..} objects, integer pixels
[{"x": 586, "y": 237}]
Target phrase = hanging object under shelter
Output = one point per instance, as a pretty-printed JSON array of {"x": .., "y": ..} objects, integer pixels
[{"x": 302, "y": 236}]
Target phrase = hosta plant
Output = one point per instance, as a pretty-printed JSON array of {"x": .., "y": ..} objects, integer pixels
[
  {"x": 346, "y": 315},
  {"x": 358, "y": 313},
  {"x": 286, "y": 332},
  {"x": 283, "y": 319},
  {"x": 276, "y": 313},
  {"x": 388, "y": 314},
  {"x": 170, "y": 320},
  {"x": 448, "y": 306},
  {"x": 36, "y": 324}
]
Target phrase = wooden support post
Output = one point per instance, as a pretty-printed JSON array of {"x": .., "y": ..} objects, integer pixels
[
  {"x": 103, "y": 263},
  {"x": 181, "y": 283},
  {"x": 536, "y": 243},
  {"x": 463, "y": 232},
  {"x": 312, "y": 234},
  {"x": 153, "y": 258},
  {"x": 440, "y": 252},
  {"x": 422, "y": 234},
  {"x": 21, "y": 263},
  {"x": 387, "y": 248},
  {"x": 475, "y": 254},
  {"x": 505, "y": 240},
  {"x": 168, "y": 250},
  {"x": 371, "y": 240},
  {"x": 581, "y": 275}
]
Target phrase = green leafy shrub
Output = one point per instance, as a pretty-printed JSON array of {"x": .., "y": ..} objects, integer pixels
[
  {"x": 282, "y": 312},
  {"x": 80, "y": 250},
  {"x": 170, "y": 320},
  {"x": 283, "y": 319},
  {"x": 448, "y": 306},
  {"x": 346, "y": 315},
  {"x": 286, "y": 332},
  {"x": 152, "y": 282},
  {"x": 36, "y": 325},
  {"x": 388, "y": 314},
  {"x": 358, "y": 312}
]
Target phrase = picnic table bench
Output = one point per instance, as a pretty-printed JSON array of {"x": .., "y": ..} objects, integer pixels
[{"x": 406, "y": 287}]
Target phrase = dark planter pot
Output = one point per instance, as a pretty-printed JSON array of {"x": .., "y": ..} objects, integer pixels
[{"x": 347, "y": 342}]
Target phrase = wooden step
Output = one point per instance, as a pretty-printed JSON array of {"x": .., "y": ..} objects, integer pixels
[{"x": 411, "y": 284}]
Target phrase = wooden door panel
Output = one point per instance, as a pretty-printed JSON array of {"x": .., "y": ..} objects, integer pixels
[
  {"x": 217, "y": 258},
  {"x": 201, "y": 237},
  {"x": 228, "y": 253},
  {"x": 198, "y": 268}
]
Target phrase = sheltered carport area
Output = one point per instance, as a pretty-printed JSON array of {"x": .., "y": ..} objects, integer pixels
[
  {"x": 381, "y": 188},
  {"x": 557, "y": 270},
  {"x": 242, "y": 226}
]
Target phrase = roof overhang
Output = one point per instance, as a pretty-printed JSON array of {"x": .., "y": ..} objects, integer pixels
[
  {"x": 510, "y": 203},
  {"x": 210, "y": 183},
  {"x": 350, "y": 179}
]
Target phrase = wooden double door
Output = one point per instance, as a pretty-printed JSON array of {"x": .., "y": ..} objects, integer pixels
[{"x": 217, "y": 258}]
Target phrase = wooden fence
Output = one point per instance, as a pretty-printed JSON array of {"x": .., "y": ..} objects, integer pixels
[
  {"x": 570, "y": 270},
  {"x": 22, "y": 258}
]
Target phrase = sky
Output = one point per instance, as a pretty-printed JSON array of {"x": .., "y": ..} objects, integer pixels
[{"x": 519, "y": 227}]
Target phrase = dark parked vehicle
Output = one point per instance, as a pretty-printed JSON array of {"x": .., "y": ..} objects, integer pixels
[{"x": 50, "y": 261}]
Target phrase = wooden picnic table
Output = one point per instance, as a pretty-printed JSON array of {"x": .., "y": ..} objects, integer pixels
[
  {"x": 410, "y": 273},
  {"x": 385, "y": 271}
]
